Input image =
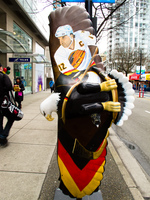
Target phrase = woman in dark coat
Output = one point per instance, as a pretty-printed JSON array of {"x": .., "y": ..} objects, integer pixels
[{"x": 19, "y": 88}]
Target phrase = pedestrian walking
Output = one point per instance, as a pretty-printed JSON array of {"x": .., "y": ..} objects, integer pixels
[
  {"x": 51, "y": 85},
  {"x": 19, "y": 88},
  {"x": 5, "y": 88}
]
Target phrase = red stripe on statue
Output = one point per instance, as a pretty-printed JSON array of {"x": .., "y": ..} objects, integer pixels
[{"x": 81, "y": 177}]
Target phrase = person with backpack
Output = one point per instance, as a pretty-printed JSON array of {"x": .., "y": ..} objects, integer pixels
[{"x": 5, "y": 88}]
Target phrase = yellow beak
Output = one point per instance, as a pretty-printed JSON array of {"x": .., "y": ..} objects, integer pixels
[{"x": 49, "y": 118}]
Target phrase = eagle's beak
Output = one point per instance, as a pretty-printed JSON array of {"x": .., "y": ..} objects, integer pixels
[{"x": 49, "y": 118}]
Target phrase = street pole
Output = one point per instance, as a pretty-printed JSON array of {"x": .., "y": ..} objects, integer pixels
[
  {"x": 88, "y": 7},
  {"x": 140, "y": 62},
  {"x": 140, "y": 72}
]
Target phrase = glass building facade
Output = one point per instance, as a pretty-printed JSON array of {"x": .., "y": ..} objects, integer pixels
[
  {"x": 24, "y": 42},
  {"x": 132, "y": 28},
  {"x": 32, "y": 7},
  {"x": 23, "y": 37},
  {"x": 23, "y": 70}
]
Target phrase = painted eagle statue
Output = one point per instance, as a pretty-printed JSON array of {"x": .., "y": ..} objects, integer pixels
[{"x": 86, "y": 100}]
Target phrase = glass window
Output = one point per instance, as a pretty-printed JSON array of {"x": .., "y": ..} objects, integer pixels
[
  {"x": 39, "y": 70},
  {"x": 37, "y": 14},
  {"x": 23, "y": 70},
  {"x": 23, "y": 37}
]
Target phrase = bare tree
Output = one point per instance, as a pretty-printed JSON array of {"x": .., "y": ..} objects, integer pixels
[
  {"x": 103, "y": 11},
  {"x": 113, "y": 12},
  {"x": 125, "y": 59},
  {"x": 106, "y": 12}
]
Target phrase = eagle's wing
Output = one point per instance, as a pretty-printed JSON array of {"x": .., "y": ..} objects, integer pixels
[{"x": 125, "y": 96}]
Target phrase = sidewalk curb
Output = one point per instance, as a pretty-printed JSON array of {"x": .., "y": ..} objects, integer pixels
[{"x": 129, "y": 168}]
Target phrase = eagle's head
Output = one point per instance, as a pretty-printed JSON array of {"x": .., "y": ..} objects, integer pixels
[{"x": 49, "y": 105}]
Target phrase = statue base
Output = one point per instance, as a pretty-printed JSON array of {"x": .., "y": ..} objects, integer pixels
[{"x": 59, "y": 195}]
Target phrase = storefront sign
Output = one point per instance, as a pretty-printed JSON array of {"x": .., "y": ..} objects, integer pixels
[
  {"x": 19, "y": 59},
  {"x": 143, "y": 77},
  {"x": 147, "y": 77}
]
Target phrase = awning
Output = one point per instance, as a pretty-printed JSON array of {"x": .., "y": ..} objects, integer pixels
[
  {"x": 134, "y": 77},
  {"x": 9, "y": 43}
]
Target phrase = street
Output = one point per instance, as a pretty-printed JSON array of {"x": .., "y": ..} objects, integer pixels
[{"x": 135, "y": 132}]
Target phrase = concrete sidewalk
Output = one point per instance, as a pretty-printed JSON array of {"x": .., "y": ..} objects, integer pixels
[
  {"x": 24, "y": 162},
  {"x": 28, "y": 165}
]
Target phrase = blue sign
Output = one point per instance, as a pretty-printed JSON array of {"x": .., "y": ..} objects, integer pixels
[
  {"x": 103, "y": 1},
  {"x": 19, "y": 59},
  {"x": 94, "y": 1},
  {"x": 72, "y": 0}
]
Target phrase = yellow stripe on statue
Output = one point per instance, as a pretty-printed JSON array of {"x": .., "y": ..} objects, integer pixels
[{"x": 71, "y": 185}]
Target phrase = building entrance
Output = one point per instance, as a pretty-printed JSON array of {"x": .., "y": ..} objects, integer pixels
[{"x": 24, "y": 71}]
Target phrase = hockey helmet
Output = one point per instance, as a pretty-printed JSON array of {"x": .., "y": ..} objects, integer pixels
[{"x": 63, "y": 30}]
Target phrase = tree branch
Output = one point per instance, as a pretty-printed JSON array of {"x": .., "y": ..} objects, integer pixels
[{"x": 109, "y": 15}]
